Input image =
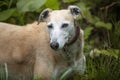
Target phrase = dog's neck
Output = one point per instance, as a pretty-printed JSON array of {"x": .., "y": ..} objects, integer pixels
[
  {"x": 69, "y": 53},
  {"x": 73, "y": 44}
]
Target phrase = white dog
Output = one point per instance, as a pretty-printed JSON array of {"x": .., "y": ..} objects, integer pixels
[{"x": 46, "y": 50}]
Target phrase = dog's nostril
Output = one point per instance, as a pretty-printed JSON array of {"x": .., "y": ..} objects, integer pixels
[{"x": 54, "y": 45}]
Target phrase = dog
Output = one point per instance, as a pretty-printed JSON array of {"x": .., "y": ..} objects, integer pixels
[{"x": 50, "y": 49}]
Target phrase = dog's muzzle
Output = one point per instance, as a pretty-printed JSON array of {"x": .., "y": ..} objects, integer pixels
[{"x": 54, "y": 45}]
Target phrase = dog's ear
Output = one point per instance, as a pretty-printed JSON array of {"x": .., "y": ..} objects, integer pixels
[
  {"x": 44, "y": 15},
  {"x": 74, "y": 10}
]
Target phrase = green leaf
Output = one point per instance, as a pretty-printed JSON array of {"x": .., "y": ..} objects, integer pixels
[
  {"x": 69, "y": 1},
  {"x": 6, "y": 14},
  {"x": 87, "y": 32},
  {"x": 108, "y": 52},
  {"x": 53, "y": 4},
  {"x": 100, "y": 24},
  {"x": 104, "y": 25},
  {"x": 108, "y": 26},
  {"x": 29, "y": 5}
]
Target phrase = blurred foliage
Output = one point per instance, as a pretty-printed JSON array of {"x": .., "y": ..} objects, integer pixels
[
  {"x": 29, "y": 5},
  {"x": 101, "y": 23}
]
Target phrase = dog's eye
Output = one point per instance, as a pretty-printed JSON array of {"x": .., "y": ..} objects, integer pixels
[
  {"x": 64, "y": 25},
  {"x": 50, "y": 26}
]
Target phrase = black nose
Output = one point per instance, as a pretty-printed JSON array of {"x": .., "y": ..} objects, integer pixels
[{"x": 54, "y": 45}]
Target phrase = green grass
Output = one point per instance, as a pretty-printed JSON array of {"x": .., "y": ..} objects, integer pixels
[{"x": 101, "y": 68}]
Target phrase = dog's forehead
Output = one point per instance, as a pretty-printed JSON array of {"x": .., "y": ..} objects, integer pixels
[{"x": 61, "y": 15}]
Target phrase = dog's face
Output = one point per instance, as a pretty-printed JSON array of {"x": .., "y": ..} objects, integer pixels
[{"x": 60, "y": 25}]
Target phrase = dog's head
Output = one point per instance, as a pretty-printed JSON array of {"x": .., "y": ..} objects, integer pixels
[{"x": 60, "y": 25}]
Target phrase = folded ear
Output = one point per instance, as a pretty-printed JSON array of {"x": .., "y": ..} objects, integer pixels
[
  {"x": 44, "y": 15},
  {"x": 75, "y": 11}
]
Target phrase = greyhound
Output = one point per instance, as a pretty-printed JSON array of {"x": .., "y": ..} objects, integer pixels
[{"x": 51, "y": 48}]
